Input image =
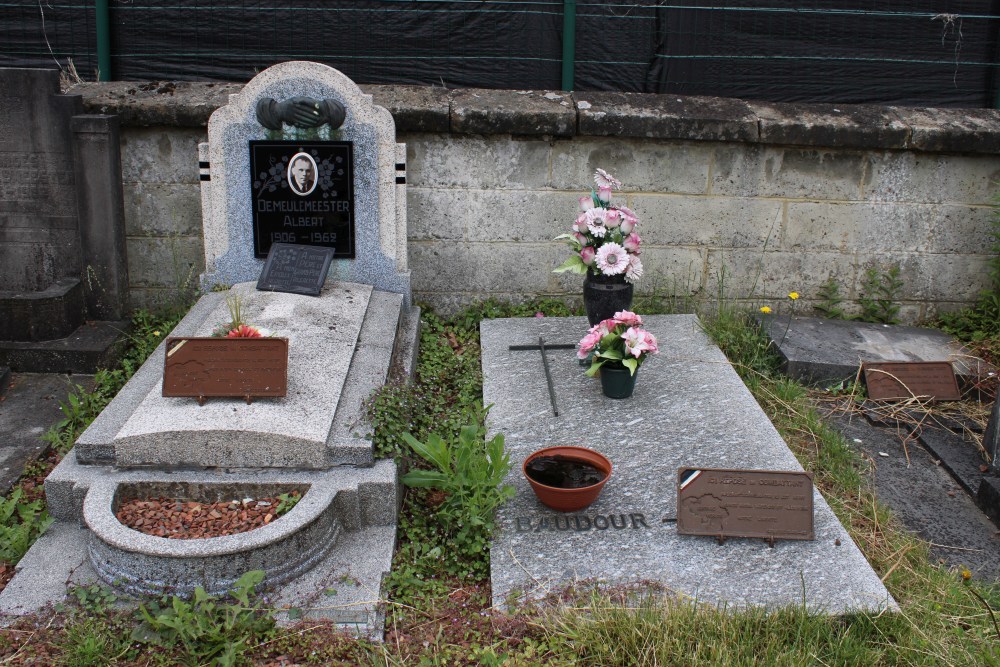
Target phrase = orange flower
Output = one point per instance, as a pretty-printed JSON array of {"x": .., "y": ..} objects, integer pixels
[{"x": 243, "y": 331}]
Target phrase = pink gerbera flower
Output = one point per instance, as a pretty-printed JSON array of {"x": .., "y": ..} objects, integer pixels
[
  {"x": 243, "y": 331},
  {"x": 634, "y": 270},
  {"x": 612, "y": 259},
  {"x": 605, "y": 180}
]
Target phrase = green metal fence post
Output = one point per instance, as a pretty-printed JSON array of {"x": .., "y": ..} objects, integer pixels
[
  {"x": 102, "y": 19},
  {"x": 569, "y": 43}
]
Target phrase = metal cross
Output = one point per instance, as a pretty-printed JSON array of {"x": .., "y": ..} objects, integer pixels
[{"x": 545, "y": 362}]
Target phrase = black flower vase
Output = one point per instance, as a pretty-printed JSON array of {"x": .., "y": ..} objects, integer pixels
[
  {"x": 603, "y": 296},
  {"x": 617, "y": 381}
]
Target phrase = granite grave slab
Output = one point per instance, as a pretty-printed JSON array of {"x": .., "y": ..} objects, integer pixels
[
  {"x": 690, "y": 408},
  {"x": 815, "y": 350}
]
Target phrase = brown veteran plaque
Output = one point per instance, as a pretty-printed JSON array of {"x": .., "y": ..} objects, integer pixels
[
  {"x": 217, "y": 367},
  {"x": 769, "y": 504},
  {"x": 895, "y": 380}
]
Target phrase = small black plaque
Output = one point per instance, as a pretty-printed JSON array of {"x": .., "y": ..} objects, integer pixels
[
  {"x": 745, "y": 503},
  {"x": 298, "y": 269},
  {"x": 303, "y": 193}
]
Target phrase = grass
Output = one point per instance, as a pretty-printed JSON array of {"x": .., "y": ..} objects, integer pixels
[{"x": 439, "y": 605}]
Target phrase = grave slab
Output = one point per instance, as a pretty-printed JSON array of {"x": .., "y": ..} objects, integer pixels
[
  {"x": 270, "y": 432},
  {"x": 816, "y": 350},
  {"x": 690, "y": 408}
]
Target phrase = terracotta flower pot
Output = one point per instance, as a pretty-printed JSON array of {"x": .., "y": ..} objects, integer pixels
[{"x": 563, "y": 499}]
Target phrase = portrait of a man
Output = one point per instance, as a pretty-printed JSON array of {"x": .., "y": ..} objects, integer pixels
[{"x": 302, "y": 173}]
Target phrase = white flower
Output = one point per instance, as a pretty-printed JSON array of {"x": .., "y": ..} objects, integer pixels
[
  {"x": 612, "y": 259},
  {"x": 605, "y": 180},
  {"x": 634, "y": 270},
  {"x": 595, "y": 221}
]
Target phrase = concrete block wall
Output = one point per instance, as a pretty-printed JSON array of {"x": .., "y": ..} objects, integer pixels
[{"x": 763, "y": 198}]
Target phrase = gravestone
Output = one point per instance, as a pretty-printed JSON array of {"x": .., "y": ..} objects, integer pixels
[
  {"x": 343, "y": 339},
  {"x": 63, "y": 271},
  {"x": 355, "y": 202},
  {"x": 689, "y": 410},
  {"x": 815, "y": 350}
]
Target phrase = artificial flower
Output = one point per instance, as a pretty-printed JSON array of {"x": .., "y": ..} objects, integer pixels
[
  {"x": 605, "y": 180},
  {"x": 634, "y": 270},
  {"x": 600, "y": 223},
  {"x": 244, "y": 331},
  {"x": 632, "y": 243},
  {"x": 612, "y": 259},
  {"x": 618, "y": 340}
]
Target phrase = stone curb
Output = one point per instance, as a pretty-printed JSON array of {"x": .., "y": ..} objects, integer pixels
[{"x": 567, "y": 114}]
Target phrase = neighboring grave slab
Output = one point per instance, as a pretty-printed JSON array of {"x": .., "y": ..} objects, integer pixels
[
  {"x": 690, "y": 409},
  {"x": 817, "y": 350},
  {"x": 62, "y": 231},
  {"x": 356, "y": 205}
]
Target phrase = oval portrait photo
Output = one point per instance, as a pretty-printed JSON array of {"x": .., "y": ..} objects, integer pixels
[{"x": 302, "y": 173}]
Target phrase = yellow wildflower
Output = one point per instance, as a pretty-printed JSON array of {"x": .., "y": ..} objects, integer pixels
[
  {"x": 765, "y": 309},
  {"x": 156, "y": 333},
  {"x": 966, "y": 574},
  {"x": 793, "y": 295}
]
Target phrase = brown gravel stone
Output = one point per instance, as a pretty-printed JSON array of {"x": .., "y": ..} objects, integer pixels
[{"x": 185, "y": 519}]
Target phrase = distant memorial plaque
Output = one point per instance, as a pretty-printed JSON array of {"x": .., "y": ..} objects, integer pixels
[
  {"x": 296, "y": 269},
  {"x": 225, "y": 367},
  {"x": 303, "y": 193},
  {"x": 745, "y": 503},
  {"x": 889, "y": 381}
]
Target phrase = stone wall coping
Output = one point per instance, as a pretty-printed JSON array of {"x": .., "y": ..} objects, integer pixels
[{"x": 566, "y": 114}]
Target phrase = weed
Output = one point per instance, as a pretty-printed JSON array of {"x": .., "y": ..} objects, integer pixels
[
  {"x": 879, "y": 295},
  {"x": 286, "y": 501},
  {"x": 94, "y": 598},
  {"x": 94, "y": 642},
  {"x": 209, "y": 630},
  {"x": 20, "y": 524},
  {"x": 470, "y": 473},
  {"x": 830, "y": 299}
]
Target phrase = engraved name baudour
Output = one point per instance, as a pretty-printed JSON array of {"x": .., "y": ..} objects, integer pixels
[
  {"x": 303, "y": 193},
  {"x": 745, "y": 503},
  {"x": 580, "y": 522}
]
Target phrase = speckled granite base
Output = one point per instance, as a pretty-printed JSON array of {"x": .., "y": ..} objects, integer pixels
[{"x": 689, "y": 409}]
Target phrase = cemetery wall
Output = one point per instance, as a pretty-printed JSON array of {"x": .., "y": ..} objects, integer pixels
[{"x": 781, "y": 196}]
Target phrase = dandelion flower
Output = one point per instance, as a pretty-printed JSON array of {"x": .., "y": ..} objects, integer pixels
[
  {"x": 156, "y": 333},
  {"x": 612, "y": 259},
  {"x": 793, "y": 295},
  {"x": 765, "y": 309}
]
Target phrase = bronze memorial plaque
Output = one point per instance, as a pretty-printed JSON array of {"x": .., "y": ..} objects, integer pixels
[
  {"x": 905, "y": 379},
  {"x": 244, "y": 367},
  {"x": 745, "y": 503}
]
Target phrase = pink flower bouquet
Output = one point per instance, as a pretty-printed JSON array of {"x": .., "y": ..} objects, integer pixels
[
  {"x": 604, "y": 240},
  {"x": 618, "y": 340}
]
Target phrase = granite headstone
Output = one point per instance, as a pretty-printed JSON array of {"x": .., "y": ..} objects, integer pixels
[{"x": 351, "y": 194}]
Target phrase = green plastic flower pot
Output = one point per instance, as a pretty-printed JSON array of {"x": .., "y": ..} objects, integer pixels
[{"x": 617, "y": 382}]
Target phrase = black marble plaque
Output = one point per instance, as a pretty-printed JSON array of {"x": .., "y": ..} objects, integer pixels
[
  {"x": 303, "y": 193},
  {"x": 299, "y": 269}
]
